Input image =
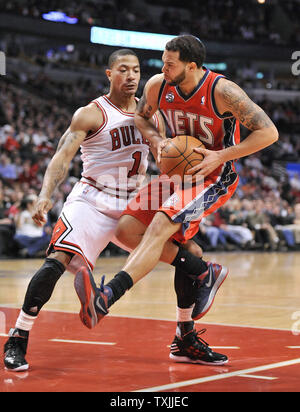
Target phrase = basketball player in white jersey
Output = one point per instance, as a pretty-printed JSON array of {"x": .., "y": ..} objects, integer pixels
[{"x": 114, "y": 154}]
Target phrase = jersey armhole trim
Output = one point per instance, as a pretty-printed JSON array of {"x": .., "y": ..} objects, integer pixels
[
  {"x": 104, "y": 123},
  {"x": 213, "y": 101},
  {"x": 161, "y": 91}
]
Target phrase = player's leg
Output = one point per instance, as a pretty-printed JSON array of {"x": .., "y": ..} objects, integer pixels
[
  {"x": 166, "y": 222},
  {"x": 95, "y": 302},
  {"x": 38, "y": 293},
  {"x": 74, "y": 243},
  {"x": 187, "y": 346},
  {"x": 140, "y": 262}
]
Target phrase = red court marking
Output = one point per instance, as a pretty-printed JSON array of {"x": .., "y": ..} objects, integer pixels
[{"x": 139, "y": 359}]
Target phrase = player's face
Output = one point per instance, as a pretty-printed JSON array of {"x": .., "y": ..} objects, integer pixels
[
  {"x": 173, "y": 69},
  {"x": 125, "y": 75}
]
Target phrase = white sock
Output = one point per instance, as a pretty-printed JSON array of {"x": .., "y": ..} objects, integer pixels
[
  {"x": 24, "y": 321},
  {"x": 184, "y": 315}
]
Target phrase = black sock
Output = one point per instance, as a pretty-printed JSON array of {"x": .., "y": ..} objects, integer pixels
[
  {"x": 184, "y": 327},
  {"x": 192, "y": 265},
  {"x": 119, "y": 285}
]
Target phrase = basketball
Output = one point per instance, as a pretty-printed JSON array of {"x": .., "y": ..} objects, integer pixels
[{"x": 178, "y": 156}]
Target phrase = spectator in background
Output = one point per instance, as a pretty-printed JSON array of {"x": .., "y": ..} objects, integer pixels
[
  {"x": 7, "y": 228},
  {"x": 30, "y": 237},
  {"x": 236, "y": 225},
  {"x": 8, "y": 170},
  {"x": 295, "y": 226},
  {"x": 259, "y": 222}
]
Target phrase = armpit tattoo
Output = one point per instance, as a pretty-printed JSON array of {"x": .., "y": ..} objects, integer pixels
[{"x": 243, "y": 108}]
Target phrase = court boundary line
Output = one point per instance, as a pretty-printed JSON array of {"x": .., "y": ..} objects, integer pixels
[
  {"x": 225, "y": 375},
  {"x": 13, "y": 306}
]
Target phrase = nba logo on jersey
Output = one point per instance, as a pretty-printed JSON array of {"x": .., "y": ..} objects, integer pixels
[
  {"x": 86, "y": 190},
  {"x": 170, "y": 97},
  {"x": 203, "y": 100}
]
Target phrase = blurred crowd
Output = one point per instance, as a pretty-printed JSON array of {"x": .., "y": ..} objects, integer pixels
[
  {"x": 208, "y": 19},
  {"x": 35, "y": 110},
  {"x": 264, "y": 214}
]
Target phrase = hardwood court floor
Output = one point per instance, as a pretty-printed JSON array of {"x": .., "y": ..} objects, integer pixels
[{"x": 255, "y": 320}]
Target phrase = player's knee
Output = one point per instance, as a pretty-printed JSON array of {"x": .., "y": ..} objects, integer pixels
[
  {"x": 161, "y": 227},
  {"x": 63, "y": 257},
  {"x": 128, "y": 229},
  {"x": 194, "y": 248},
  {"x": 122, "y": 230}
]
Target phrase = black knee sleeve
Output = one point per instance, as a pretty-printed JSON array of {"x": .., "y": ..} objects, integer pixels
[
  {"x": 189, "y": 263},
  {"x": 184, "y": 288},
  {"x": 42, "y": 285}
]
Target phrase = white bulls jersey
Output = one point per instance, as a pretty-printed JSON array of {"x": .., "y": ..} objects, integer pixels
[
  {"x": 113, "y": 157},
  {"x": 116, "y": 153}
]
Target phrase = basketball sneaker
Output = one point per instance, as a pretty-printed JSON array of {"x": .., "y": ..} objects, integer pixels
[
  {"x": 192, "y": 349},
  {"x": 94, "y": 301},
  {"x": 15, "y": 350},
  {"x": 208, "y": 284}
]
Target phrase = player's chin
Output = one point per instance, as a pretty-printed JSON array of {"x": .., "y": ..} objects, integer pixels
[
  {"x": 130, "y": 90},
  {"x": 171, "y": 82}
]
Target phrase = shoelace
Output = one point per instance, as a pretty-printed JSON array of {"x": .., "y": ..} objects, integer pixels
[
  {"x": 102, "y": 284},
  {"x": 204, "y": 345}
]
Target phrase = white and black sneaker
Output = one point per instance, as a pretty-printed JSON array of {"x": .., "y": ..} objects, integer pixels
[
  {"x": 192, "y": 349},
  {"x": 15, "y": 350}
]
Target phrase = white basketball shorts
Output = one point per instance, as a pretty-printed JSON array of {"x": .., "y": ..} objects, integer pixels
[{"x": 86, "y": 225}]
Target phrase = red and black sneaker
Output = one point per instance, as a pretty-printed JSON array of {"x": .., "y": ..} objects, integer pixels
[
  {"x": 207, "y": 286},
  {"x": 192, "y": 349},
  {"x": 94, "y": 301}
]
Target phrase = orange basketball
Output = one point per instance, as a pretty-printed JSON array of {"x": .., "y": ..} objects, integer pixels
[{"x": 177, "y": 157}]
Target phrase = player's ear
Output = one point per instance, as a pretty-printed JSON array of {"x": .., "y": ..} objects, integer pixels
[
  {"x": 108, "y": 74},
  {"x": 192, "y": 66}
]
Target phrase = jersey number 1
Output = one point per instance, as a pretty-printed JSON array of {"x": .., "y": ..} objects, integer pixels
[{"x": 137, "y": 156}]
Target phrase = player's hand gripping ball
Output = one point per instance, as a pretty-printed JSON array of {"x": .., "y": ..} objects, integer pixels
[{"x": 178, "y": 156}]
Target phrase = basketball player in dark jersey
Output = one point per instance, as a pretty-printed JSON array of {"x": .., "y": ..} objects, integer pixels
[{"x": 194, "y": 101}]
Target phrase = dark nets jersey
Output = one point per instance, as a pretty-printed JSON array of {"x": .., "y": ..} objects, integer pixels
[{"x": 196, "y": 114}]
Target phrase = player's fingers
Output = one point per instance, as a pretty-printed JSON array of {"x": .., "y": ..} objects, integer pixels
[
  {"x": 159, "y": 150},
  {"x": 39, "y": 220},
  {"x": 201, "y": 150},
  {"x": 194, "y": 169},
  {"x": 158, "y": 158},
  {"x": 40, "y": 213}
]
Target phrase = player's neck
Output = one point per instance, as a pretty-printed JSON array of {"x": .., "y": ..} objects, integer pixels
[
  {"x": 189, "y": 84},
  {"x": 123, "y": 102}
]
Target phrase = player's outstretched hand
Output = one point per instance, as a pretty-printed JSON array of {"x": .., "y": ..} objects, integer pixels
[
  {"x": 212, "y": 160},
  {"x": 42, "y": 207},
  {"x": 158, "y": 148}
]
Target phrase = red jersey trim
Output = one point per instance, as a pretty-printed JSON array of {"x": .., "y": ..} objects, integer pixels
[
  {"x": 129, "y": 114},
  {"x": 213, "y": 100},
  {"x": 104, "y": 123}
]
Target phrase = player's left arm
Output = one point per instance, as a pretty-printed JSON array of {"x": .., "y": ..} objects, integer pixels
[
  {"x": 160, "y": 126},
  {"x": 230, "y": 98}
]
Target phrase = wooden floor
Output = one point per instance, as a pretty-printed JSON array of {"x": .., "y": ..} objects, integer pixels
[
  {"x": 262, "y": 289},
  {"x": 261, "y": 293}
]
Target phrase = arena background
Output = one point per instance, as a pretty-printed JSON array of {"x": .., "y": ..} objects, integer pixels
[{"x": 49, "y": 68}]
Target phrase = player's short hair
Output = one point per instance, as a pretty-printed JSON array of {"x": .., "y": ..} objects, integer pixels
[
  {"x": 191, "y": 49},
  {"x": 118, "y": 53}
]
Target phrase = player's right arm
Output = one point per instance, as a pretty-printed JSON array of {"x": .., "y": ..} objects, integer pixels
[
  {"x": 147, "y": 106},
  {"x": 84, "y": 120}
]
